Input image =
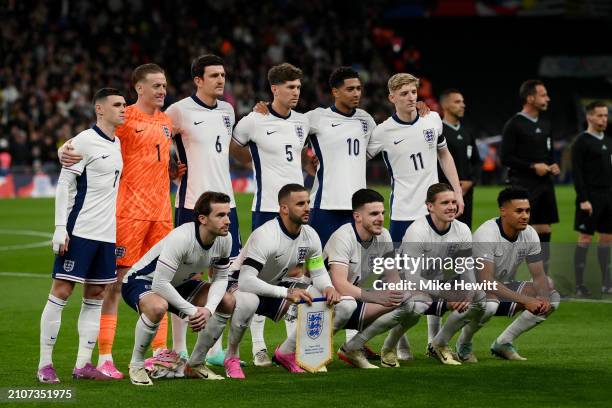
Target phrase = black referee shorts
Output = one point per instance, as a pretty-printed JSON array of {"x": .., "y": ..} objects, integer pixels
[
  {"x": 543, "y": 201},
  {"x": 601, "y": 218}
]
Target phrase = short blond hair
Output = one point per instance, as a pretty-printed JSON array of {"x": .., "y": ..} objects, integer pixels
[{"x": 398, "y": 80}]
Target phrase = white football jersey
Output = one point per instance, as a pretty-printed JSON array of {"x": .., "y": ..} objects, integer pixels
[
  {"x": 493, "y": 245},
  {"x": 278, "y": 251},
  {"x": 202, "y": 134},
  {"x": 92, "y": 201},
  {"x": 183, "y": 252},
  {"x": 423, "y": 239},
  {"x": 410, "y": 152},
  {"x": 346, "y": 248},
  {"x": 276, "y": 145},
  {"x": 340, "y": 142}
]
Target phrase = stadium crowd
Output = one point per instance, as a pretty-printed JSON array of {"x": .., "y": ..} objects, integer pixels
[{"x": 73, "y": 48}]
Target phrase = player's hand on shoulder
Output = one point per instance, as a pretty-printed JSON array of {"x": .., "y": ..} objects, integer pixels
[
  {"x": 60, "y": 240},
  {"x": 332, "y": 295},
  {"x": 422, "y": 108},
  {"x": 296, "y": 295},
  {"x": 67, "y": 154},
  {"x": 261, "y": 107},
  {"x": 198, "y": 321}
]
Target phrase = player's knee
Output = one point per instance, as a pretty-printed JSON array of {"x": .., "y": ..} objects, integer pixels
[
  {"x": 490, "y": 310},
  {"x": 154, "y": 308},
  {"x": 228, "y": 303},
  {"x": 94, "y": 291},
  {"x": 245, "y": 306},
  {"x": 61, "y": 289},
  {"x": 479, "y": 300},
  {"x": 343, "y": 312}
]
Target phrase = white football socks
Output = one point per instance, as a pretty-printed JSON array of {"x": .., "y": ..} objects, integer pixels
[
  {"x": 525, "y": 322},
  {"x": 89, "y": 328},
  {"x": 143, "y": 336},
  {"x": 207, "y": 337},
  {"x": 257, "y": 333},
  {"x": 179, "y": 334},
  {"x": 50, "y": 322}
]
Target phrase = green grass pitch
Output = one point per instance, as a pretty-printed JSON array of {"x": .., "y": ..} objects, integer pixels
[{"x": 569, "y": 356}]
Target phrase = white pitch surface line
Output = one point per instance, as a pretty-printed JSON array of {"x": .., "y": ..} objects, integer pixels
[
  {"x": 26, "y": 233},
  {"x": 24, "y": 275}
]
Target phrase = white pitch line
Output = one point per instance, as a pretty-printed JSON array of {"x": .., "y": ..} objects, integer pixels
[
  {"x": 26, "y": 233},
  {"x": 24, "y": 275}
]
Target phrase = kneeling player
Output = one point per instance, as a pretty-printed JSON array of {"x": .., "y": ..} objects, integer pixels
[
  {"x": 84, "y": 238},
  {"x": 274, "y": 249},
  {"x": 437, "y": 238},
  {"x": 161, "y": 281},
  {"x": 503, "y": 244},
  {"x": 348, "y": 247}
]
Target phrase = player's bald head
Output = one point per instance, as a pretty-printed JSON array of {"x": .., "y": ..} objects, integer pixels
[{"x": 285, "y": 192}]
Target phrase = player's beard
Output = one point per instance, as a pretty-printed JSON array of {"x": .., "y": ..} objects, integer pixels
[{"x": 294, "y": 218}]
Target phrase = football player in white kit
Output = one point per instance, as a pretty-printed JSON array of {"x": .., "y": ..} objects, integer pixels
[
  {"x": 348, "y": 256},
  {"x": 84, "y": 238},
  {"x": 272, "y": 251},
  {"x": 276, "y": 142},
  {"x": 439, "y": 238},
  {"x": 162, "y": 281},
  {"x": 411, "y": 146},
  {"x": 504, "y": 243},
  {"x": 202, "y": 126}
]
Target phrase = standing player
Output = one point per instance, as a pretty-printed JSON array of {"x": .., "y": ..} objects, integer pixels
[
  {"x": 144, "y": 214},
  {"x": 503, "y": 244},
  {"x": 276, "y": 142},
  {"x": 84, "y": 238},
  {"x": 435, "y": 238},
  {"x": 412, "y": 146},
  {"x": 527, "y": 149},
  {"x": 462, "y": 146},
  {"x": 347, "y": 255},
  {"x": 272, "y": 251},
  {"x": 339, "y": 136},
  {"x": 162, "y": 281},
  {"x": 592, "y": 166},
  {"x": 202, "y": 132}
]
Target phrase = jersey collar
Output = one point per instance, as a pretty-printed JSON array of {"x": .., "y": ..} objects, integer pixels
[
  {"x": 433, "y": 226},
  {"x": 523, "y": 114},
  {"x": 278, "y": 115},
  {"x": 503, "y": 234},
  {"x": 201, "y": 103},
  {"x": 197, "y": 234},
  {"x": 455, "y": 128},
  {"x": 285, "y": 231},
  {"x": 347, "y": 115},
  {"x": 358, "y": 237},
  {"x": 598, "y": 137},
  {"x": 401, "y": 122},
  {"x": 102, "y": 134}
]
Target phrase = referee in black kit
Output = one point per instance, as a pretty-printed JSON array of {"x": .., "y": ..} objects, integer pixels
[
  {"x": 462, "y": 145},
  {"x": 527, "y": 149},
  {"x": 592, "y": 169}
]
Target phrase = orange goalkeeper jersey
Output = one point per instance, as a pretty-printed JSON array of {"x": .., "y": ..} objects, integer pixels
[{"x": 144, "y": 190}]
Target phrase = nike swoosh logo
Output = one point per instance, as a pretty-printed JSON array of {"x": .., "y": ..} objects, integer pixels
[
  {"x": 271, "y": 132},
  {"x": 105, "y": 156},
  {"x": 354, "y": 263},
  {"x": 197, "y": 123},
  {"x": 53, "y": 338},
  {"x": 141, "y": 130},
  {"x": 336, "y": 124},
  {"x": 91, "y": 342},
  {"x": 398, "y": 142},
  {"x": 278, "y": 256}
]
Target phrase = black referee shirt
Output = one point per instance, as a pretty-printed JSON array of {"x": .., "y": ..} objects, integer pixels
[
  {"x": 525, "y": 141},
  {"x": 591, "y": 164},
  {"x": 462, "y": 146}
]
